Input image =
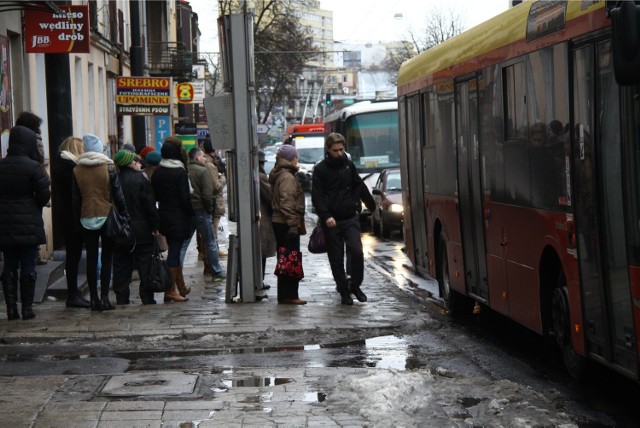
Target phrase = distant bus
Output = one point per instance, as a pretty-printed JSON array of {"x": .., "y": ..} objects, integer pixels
[
  {"x": 371, "y": 132},
  {"x": 521, "y": 172},
  {"x": 305, "y": 128}
]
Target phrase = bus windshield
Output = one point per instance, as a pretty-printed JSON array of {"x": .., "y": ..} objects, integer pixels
[{"x": 372, "y": 140}]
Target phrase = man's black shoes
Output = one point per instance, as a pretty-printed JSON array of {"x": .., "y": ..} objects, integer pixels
[
  {"x": 346, "y": 297},
  {"x": 358, "y": 293}
]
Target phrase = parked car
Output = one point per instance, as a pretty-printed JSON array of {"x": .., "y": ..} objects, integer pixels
[{"x": 389, "y": 213}]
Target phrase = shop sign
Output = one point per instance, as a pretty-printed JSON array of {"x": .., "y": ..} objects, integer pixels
[
  {"x": 65, "y": 32},
  {"x": 190, "y": 92},
  {"x": 143, "y": 96}
]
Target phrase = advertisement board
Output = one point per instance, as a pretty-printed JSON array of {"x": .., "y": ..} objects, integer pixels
[
  {"x": 143, "y": 96},
  {"x": 49, "y": 32},
  {"x": 190, "y": 92}
]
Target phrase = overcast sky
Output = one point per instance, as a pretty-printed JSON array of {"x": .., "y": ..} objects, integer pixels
[
  {"x": 358, "y": 21},
  {"x": 389, "y": 20}
]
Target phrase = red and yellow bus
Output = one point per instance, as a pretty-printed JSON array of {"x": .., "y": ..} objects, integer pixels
[{"x": 520, "y": 151}]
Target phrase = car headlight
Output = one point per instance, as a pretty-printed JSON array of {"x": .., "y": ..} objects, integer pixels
[{"x": 396, "y": 208}]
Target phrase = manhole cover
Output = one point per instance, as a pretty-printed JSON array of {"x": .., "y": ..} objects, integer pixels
[{"x": 166, "y": 384}]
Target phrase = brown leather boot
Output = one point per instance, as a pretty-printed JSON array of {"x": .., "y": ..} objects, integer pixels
[
  {"x": 172, "y": 295},
  {"x": 178, "y": 279}
]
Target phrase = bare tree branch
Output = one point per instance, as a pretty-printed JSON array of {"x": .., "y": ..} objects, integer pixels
[{"x": 282, "y": 48}]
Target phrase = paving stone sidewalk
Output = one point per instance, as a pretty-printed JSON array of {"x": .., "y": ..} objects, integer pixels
[{"x": 101, "y": 369}]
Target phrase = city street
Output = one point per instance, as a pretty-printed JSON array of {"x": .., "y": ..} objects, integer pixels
[{"x": 397, "y": 360}]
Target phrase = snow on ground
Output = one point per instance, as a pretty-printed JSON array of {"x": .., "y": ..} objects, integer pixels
[{"x": 444, "y": 399}]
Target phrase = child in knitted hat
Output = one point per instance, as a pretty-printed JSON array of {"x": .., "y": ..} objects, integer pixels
[
  {"x": 288, "y": 152},
  {"x": 123, "y": 158},
  {"x": 92, "y": 143},
  {"x": 144, "y": 152},
  {"x": 152, "y": 160}
]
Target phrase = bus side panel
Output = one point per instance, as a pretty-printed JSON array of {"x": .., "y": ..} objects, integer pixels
[
  {"x": 634, "y": 274},
  {"x": 445, "y": 209},
  {"x": 407, "y": 227},
  {"x": 496, "y": 260},
  {"x": 527, "y": 232},
  {"x": 575, "y": 312}
]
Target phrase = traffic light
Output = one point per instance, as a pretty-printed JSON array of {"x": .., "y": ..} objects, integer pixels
[{"x": 327, "y": 99}]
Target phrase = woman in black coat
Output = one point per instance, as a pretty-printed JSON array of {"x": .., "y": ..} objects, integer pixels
[
  {"x": 141, "y": 206},
  {"x": 171, "y": 188},
  {"x": 24, "y": 191},
  {"x": 70, "y": 150}
]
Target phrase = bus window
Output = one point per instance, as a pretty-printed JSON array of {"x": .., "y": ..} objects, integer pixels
[
  {"x": 369, "y": 142},
  {"x": 515, "y": 150},
  {"x": 491, "y": 137}
]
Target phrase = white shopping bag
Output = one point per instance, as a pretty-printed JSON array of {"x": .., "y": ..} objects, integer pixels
[{"x": 223, "y": 229}]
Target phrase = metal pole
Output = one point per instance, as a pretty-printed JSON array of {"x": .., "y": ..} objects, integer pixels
[
  {"x": 137, "y": 69},
  {"x": 315, "y": 110},
  {"x": 246, "y": 159},
  {"x": 306, "y": 103}
]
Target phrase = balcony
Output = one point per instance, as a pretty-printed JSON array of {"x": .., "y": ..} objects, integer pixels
[{"x": 170, "y": 59}]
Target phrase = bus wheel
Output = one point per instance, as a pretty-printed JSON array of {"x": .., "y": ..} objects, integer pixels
[
  {"x": 456, "y": 303},
  {"x": 573, "y": 361}
]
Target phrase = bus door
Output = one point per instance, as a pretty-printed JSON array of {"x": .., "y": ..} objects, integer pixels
[
  {"x": 415, "y": 185},
  {"x": 470, "y": 189},
  {"x": 600, "y": 225}
]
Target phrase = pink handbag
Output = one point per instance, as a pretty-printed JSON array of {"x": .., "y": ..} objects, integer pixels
[{"x": 289, "y": 264}]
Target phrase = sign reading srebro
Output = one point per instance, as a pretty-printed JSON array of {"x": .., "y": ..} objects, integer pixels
[{"x": 145, "y": 96}]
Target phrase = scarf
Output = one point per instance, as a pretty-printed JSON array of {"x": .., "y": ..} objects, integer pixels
[
  {"x": 94, "y": 159},
  {"x": 67, "y": 155},
  {"x": 171, "y": 163}
]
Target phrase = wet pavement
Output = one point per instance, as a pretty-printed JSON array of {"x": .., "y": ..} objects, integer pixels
[{"x": 206, "y": 363}]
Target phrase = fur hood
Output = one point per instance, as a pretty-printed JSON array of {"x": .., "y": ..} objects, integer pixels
[{"x": 94, "y": 159}]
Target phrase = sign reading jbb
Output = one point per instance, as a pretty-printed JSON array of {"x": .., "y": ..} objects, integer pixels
[{"x": 65, "y": 32}]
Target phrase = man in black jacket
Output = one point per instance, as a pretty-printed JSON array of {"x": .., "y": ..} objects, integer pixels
[
  {"x": 141, "y": 205},
  {"x": 336, "y": 195}
]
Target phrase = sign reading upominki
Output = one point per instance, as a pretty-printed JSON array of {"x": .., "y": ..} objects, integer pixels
[
  {"x": 66, "y": 32},
  {"x": 143, "y": 96}
]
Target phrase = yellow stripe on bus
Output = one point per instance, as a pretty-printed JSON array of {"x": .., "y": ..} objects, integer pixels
[{"x": 500, "y": 31}]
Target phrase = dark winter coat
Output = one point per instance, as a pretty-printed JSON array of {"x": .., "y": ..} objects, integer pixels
[
  {"x": 141, "y": 204},
  {"x": 267, "y": 236},
  {"x": 338, "y": 189},
  {"x": 62, "y": 181},
  {"x": 171, "y": 189},
  {"x": 288, "y": 197},
  {"x": 24, "y": 190}
]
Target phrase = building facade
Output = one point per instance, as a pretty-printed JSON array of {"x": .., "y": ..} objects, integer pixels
[{"x": 75, "y": 92}]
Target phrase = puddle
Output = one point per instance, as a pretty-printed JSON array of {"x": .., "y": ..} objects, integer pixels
[
  {"x": 387, "y": 352},
  {"x": 314, "y": 397},
  {"x": 255, "y": 381},
  {"x": 469, "y": 401}
]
